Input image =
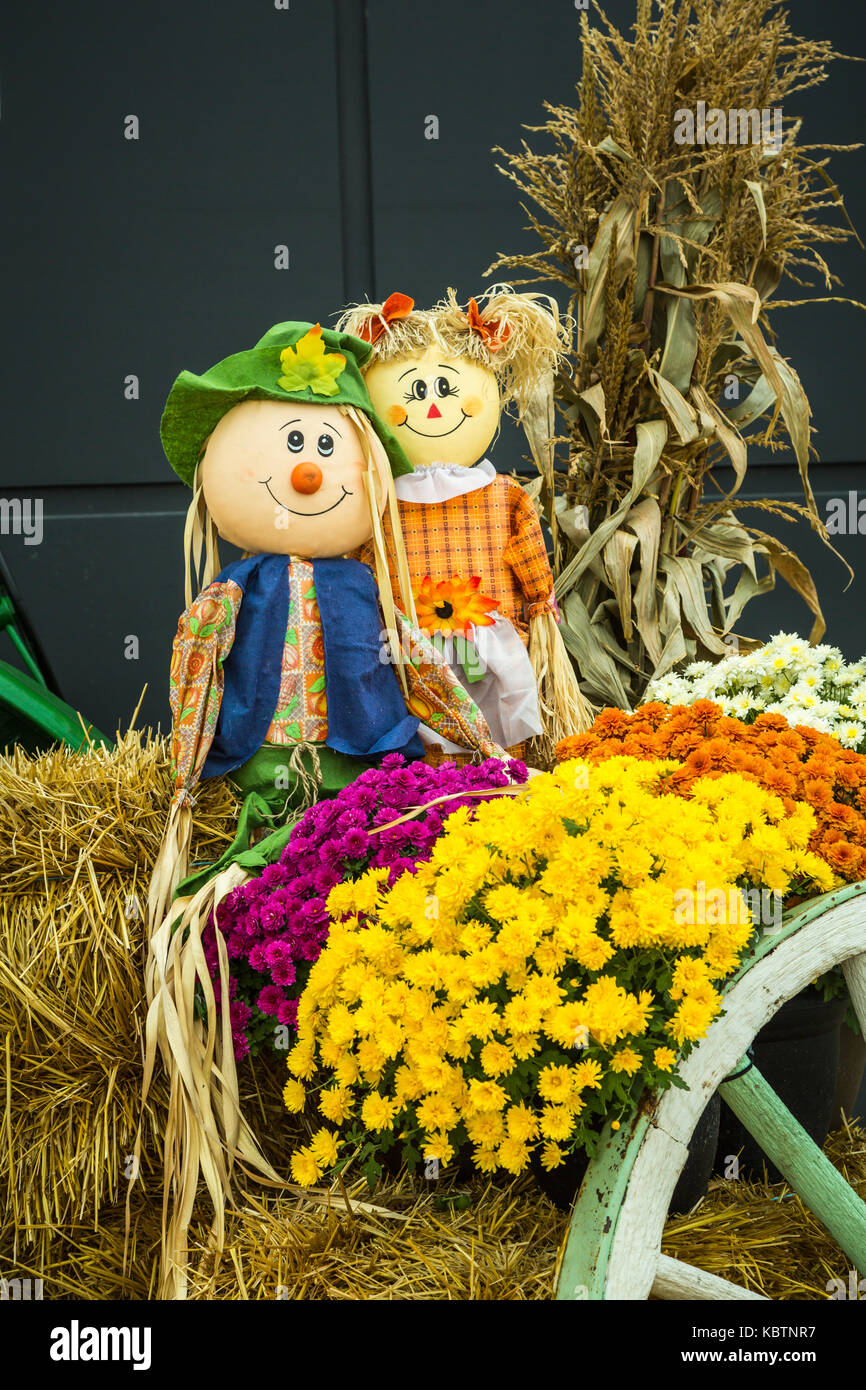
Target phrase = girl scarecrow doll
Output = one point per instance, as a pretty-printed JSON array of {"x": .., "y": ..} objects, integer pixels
[
  {"x": 478, "y": 562},
  {"x": 280, "y": 680}
]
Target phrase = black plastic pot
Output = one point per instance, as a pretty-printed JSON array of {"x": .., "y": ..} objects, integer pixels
[
  {"x": 561, "y": 1184},
  {"x": 797, "y": 1053}
]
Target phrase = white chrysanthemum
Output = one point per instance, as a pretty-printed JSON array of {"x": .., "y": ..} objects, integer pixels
[
  {"x": 851, "y": 734},
  {"x": 809, "y": 702},
  {"x": 777, "y": 661},
  {"x": 806, "y": 692},
  {"x": 741, "y": 705}
]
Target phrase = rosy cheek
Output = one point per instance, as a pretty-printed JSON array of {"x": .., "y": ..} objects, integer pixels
[
  {"x": 473, "y": 405},
  {"x": 395, "y": 415}
]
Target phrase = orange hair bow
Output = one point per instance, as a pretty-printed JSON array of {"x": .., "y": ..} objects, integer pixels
[
  {"x": 396, "y": 306},
  {"x": 492, "y": 333}
]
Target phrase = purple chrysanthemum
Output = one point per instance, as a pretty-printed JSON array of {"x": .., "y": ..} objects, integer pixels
[{"x": 275, "y": 925}]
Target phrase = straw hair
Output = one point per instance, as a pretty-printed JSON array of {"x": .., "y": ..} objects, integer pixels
[
  {"x": 200, "y": 541},
  {"x": 536, "y": 339}
]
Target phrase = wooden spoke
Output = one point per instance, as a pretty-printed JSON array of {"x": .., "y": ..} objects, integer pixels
[
  {"x": 854, "y": 971},
  {"x": 676, "y": 1279},
  {"x": 798, "y": 1158}
]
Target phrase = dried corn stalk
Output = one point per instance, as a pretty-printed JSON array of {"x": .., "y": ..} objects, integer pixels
[{"x": 670, "y": 253}]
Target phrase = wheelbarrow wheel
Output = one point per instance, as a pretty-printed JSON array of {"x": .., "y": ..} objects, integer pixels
[{"x": 613, "y": 1245}]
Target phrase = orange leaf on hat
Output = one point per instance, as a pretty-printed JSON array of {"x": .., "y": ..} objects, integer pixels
[
  {"x": 396, "y": 306},
  {"x": 492, "y": 333}
]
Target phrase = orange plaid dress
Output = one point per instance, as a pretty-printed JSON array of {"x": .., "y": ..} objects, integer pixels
[{"x": 493, "y": 532}]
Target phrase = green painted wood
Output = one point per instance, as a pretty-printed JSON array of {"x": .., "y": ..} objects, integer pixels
[
  {"x": 809, "y": 1172},
  {"x": 591, "y": 1230},
  {"x": 41, "y": 717}
]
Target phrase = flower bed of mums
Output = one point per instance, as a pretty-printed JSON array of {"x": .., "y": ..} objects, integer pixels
[
  {"x": 799, "y": 764},
  {"x": 536, "y": 975},
  {"x": 813, "y": 686},
  {"x": 276, "y": 924}
]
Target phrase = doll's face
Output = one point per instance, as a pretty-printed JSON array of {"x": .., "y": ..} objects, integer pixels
[
  {"x": 288, "y": 479},
  {"x": 442, "y": 409}
]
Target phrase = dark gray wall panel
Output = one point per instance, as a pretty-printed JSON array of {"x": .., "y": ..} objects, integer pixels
[{"x": 152, "y": 255}]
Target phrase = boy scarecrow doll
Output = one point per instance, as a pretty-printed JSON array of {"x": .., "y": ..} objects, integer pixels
[{"x": 281, "y": 678}]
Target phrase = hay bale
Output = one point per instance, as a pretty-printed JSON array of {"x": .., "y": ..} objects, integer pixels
[
  {"x": 762, "y": 1236},
  {"x": 78, "y": 836},
  {"x": 412, "y": 1239}
]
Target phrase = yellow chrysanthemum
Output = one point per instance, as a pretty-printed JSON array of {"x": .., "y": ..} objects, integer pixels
[
  {"x": 487, "y": 1128},
  {"x": 587, "y": 1074},
  {"x": 485, "y": 1158},
  {"x": 552, "y": 1156},
  {"x": 497, "y": 1059},
  {"x": 436, "y": 1112},
  {"x": 513, "y": 1155},
  {"x": 337, "y": 1103},
  {"x": 556, "y": 1122},
  {"x": 555, "y": 1083},
  {"x": 304, "y": 1168},
  {"x": 486, "y": 1095},
  {"x": 294, "y": 1096},
  {"x": 520, "y": 1122},
  {"x": 323, "y": 1147},
  {"x": 665, "y": 1058},
  {"x": 378, "y": 1112},
  {"x": 627, "y": 1060}
]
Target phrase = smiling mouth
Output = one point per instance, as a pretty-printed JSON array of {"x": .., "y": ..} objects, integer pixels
[
  {"x": 443, "y": 435},
  {"x": 346, "y": 493}
]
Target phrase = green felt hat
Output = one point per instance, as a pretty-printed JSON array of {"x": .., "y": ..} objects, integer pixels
[{"x": 292, "y": 362}]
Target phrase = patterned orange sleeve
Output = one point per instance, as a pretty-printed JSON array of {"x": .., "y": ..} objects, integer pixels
[
  {"x": 205, "y": 633},
  {"x": 437, "y": 697},
  {"x": 526, "y": 553}
]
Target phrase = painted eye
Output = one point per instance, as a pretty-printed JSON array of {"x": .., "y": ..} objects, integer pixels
[
  {"x": 442, "y": 386},
  {"x": 295, "y": 441},
  {"x": 419, "y": 390},
  {"x": 325, "y": 445}
]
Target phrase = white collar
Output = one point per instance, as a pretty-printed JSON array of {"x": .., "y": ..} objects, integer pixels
[{"x": 439, "y": 482}]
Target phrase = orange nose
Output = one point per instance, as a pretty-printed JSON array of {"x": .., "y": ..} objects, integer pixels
[
  {"x": 434, "y": 413},
  {"x": 306, "y": 477}
]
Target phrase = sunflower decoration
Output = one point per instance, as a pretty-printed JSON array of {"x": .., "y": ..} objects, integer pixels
[{"x": 453, "y": 605}]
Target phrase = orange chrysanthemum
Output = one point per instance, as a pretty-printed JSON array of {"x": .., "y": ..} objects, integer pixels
[
  {"x": 797, "y": 764},
  {"x": 453, "y": 605}
]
